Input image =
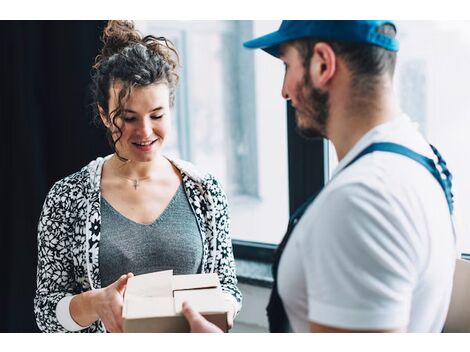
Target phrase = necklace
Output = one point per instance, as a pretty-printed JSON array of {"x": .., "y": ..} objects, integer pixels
[{"x": 135, "y": 181}]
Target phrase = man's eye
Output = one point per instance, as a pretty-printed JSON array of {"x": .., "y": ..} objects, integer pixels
[{"x": 156, "y": 117}]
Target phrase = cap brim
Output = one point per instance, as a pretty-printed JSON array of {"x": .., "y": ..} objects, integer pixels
[{"x": 269, "y": 43}]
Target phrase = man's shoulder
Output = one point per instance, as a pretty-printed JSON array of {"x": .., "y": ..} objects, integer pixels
[
  {"x": 349, "y": 210},
  {"x": 348, "y": 189}
]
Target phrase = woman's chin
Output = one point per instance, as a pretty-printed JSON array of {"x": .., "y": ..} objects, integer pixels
[
  {"x": 146, "y": 157},
  {"x": 142, "y": 155}
]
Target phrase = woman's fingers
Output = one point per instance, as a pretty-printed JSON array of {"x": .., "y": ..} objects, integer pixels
[
  {"x": 121, "y": 284},
  {"x": 118, "y": 318},
  {"x": 109, "y": 324},
  {"x": 114, "y": 323}
]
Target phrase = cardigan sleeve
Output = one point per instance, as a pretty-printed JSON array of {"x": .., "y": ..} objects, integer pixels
[
  {"x": 56, "y": 282},
  {"x": 55, "y": 267},
  {"x": 224, "y": 261}
]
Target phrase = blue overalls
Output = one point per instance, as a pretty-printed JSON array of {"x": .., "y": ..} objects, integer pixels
[{"x": 278, "y": 321}]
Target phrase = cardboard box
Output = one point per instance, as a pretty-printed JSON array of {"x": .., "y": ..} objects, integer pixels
[
  {"x": 458, "y": 317},
  {"x": 153, "y": 302}
]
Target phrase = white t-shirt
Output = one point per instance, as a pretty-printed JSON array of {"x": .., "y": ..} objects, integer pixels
[{"x": 376, "y": 249}]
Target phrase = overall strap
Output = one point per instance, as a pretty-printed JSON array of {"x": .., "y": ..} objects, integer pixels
[
  {"x": 445, "y": 182},
  {"x": 277, "y": 317}
]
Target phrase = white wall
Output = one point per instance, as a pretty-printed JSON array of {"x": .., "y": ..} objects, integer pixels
[{"x": 252, "y": 317}]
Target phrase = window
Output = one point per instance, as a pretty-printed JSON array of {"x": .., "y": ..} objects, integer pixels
[
  {"x": 431, "y": 81},
  {"x": 230, "y": 119}
]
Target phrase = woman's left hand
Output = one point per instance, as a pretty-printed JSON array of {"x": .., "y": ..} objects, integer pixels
[{"x": 197, "y": 322}]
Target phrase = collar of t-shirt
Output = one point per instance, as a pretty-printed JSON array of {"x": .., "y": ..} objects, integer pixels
[{"x": 401, "y": 130}]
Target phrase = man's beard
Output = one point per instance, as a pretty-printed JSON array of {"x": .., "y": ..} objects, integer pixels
[{"x": 312, "y": 110}]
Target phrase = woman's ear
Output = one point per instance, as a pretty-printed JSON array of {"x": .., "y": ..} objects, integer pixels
[
  {"x": 104, "y": 117},
  {"x": 322, "y": 65}
]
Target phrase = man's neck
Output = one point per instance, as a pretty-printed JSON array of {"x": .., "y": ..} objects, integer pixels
[{"x": 346, "y": 126}]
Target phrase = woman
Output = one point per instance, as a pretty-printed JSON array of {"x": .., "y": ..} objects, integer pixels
[{"x": 135, "y": 211}]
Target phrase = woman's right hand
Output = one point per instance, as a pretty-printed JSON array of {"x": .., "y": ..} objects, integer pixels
[
  {"x": 103, "y": 303},
  {"x": 108, "y": 304}
]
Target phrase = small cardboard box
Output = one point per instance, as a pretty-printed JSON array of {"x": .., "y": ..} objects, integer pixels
[
  {"x": 153, "y": 302},
  {"x": 458, "y": 317}
]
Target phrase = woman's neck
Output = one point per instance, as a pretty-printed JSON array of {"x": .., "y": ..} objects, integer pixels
[{"x": 138, "y": 170}]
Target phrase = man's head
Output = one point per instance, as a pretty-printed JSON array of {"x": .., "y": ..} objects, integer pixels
[{"x": 314, "y": 53}]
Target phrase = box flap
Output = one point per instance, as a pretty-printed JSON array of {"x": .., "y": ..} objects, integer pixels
[
  {"x": 458, "y": 316},
  {"x": 153, "y": 302},
  {"x": 157, "y": 284},
  {"x": 202, "y": 300},
  {"x": 189, "y": 282},
  {"x": 147, "y": 307}
]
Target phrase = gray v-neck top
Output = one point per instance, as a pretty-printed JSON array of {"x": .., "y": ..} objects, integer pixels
[{"x": 172, "y": 241}]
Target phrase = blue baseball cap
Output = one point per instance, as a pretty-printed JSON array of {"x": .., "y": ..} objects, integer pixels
[{"x": 331, "y": 30}]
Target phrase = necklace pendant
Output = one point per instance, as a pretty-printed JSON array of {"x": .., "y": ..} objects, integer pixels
[{"x": 135, "y": 184}]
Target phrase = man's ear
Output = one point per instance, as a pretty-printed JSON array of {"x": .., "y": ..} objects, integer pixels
[
  {"x": 322, "y": 65},
  {"x": 104, "y": 117}
]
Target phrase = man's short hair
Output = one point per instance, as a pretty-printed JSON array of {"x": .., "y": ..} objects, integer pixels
[{"x": 366, "y": 62}]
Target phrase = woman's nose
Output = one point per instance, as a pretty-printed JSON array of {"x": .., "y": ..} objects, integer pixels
[{"x": 145, "y": 127}]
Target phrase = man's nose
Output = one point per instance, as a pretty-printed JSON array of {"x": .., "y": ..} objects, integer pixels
[{"x": 284, "y": 93}]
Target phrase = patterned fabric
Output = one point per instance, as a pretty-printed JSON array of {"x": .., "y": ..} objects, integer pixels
[{"x": 69, "y": 238}]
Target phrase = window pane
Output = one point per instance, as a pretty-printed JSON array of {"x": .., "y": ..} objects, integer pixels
[
  {"x": 432, "y": 81},
  {"x": 230, "y": 119},
  {"x": 264, "y": 219}
]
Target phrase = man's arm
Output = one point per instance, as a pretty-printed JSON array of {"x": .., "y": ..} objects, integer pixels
[{"x": 360, "y": 277}]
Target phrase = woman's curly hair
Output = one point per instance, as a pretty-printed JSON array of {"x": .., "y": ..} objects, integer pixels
[{"x": 133, "y": 61}]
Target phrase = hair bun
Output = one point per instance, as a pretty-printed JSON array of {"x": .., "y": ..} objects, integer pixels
[{"x": 116, "y": 36}]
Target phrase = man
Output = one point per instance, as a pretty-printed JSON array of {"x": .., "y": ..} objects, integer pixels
[{"x": 375, "y": 251}]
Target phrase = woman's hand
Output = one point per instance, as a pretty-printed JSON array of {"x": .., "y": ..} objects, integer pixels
[
  {"x": 108, "y": 304},
  {"x": 104, "y": 303},
  {"x": 197, "y": 322},
  {"x": 230, "y": 315}
]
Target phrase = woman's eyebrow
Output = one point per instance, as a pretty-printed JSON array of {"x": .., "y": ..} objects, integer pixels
[{"x": 153, "y": 110}]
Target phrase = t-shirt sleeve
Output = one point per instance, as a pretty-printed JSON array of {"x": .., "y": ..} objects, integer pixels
[{"x": 361, "y": 271}]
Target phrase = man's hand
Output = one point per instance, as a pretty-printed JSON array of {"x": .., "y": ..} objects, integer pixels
[{"x": 197, "y": 322}]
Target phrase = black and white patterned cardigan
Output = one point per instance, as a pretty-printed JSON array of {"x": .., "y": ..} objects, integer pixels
[{"x": 69, "y": 238}]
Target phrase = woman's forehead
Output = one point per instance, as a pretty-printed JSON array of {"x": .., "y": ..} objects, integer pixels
[{"x": 141, "y": 96}]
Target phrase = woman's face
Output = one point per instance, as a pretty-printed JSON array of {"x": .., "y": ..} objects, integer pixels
[{"x": 145, "y": 122}]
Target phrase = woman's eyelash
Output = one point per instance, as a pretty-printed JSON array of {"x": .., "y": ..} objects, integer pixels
[{"x": 131, "y": 118}]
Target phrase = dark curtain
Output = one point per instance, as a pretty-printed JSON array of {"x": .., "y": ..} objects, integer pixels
[{"x": 47, "y": 134}]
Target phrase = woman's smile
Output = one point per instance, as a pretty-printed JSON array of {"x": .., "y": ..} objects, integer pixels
[{"x": 145, "y": 146}]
